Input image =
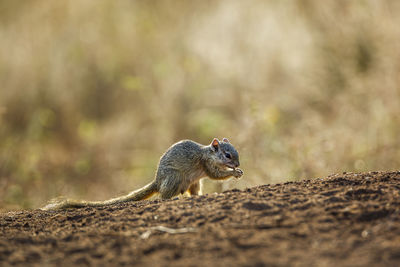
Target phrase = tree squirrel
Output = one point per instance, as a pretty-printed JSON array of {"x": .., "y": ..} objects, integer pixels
[{"x": 179, "y": 170}]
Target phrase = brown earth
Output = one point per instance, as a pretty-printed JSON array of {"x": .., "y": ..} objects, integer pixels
[{"x": 342, "y": 220}]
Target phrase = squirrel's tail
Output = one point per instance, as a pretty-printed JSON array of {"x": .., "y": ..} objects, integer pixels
[{"x": 140, "y": 194}]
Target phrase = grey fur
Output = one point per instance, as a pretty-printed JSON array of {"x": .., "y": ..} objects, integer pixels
[{"x": 179, "y": 170}]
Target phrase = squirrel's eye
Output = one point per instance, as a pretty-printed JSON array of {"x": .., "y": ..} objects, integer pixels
[{"x": 228, "y": 155}]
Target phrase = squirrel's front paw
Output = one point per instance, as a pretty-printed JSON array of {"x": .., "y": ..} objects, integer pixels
[{"x": 237, "y": 173}]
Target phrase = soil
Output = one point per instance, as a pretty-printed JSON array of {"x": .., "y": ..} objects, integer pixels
[{"x": 345, "y": 219}]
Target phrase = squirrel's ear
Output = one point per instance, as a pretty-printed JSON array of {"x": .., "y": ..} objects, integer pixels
[
  {"x": 225, "y": 140},
  {"x": 215, "y": 144}
]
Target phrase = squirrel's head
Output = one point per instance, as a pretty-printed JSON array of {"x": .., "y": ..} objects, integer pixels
[{"x": 225, "y": 154}]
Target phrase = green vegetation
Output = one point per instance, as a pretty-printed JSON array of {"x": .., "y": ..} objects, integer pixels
[{"x": 93, "y": 92}]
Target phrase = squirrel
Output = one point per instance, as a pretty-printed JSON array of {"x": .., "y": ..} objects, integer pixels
[{"x": 179, "y": 171}]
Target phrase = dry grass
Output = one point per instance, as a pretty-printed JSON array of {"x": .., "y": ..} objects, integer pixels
[{"x": 94, "y": 92}]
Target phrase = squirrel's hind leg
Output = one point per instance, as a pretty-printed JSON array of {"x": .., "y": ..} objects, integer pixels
[
  {"x": 170, "y": 187},
  {"x": 194, "y": 189}
]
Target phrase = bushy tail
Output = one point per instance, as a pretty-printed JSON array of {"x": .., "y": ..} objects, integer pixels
[{"x": 140, "y": 194}]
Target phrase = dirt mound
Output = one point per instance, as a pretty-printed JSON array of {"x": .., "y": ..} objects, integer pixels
[{"x": 347, "y": 219}]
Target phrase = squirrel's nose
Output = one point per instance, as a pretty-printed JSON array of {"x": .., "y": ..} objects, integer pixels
[{"x": 237, "y": 164}]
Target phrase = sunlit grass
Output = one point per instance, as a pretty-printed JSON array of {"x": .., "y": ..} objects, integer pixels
[{"x": 92, "y": 93}]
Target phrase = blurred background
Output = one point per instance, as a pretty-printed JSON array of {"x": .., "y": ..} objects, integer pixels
[{"x": 93, "y": 92}]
